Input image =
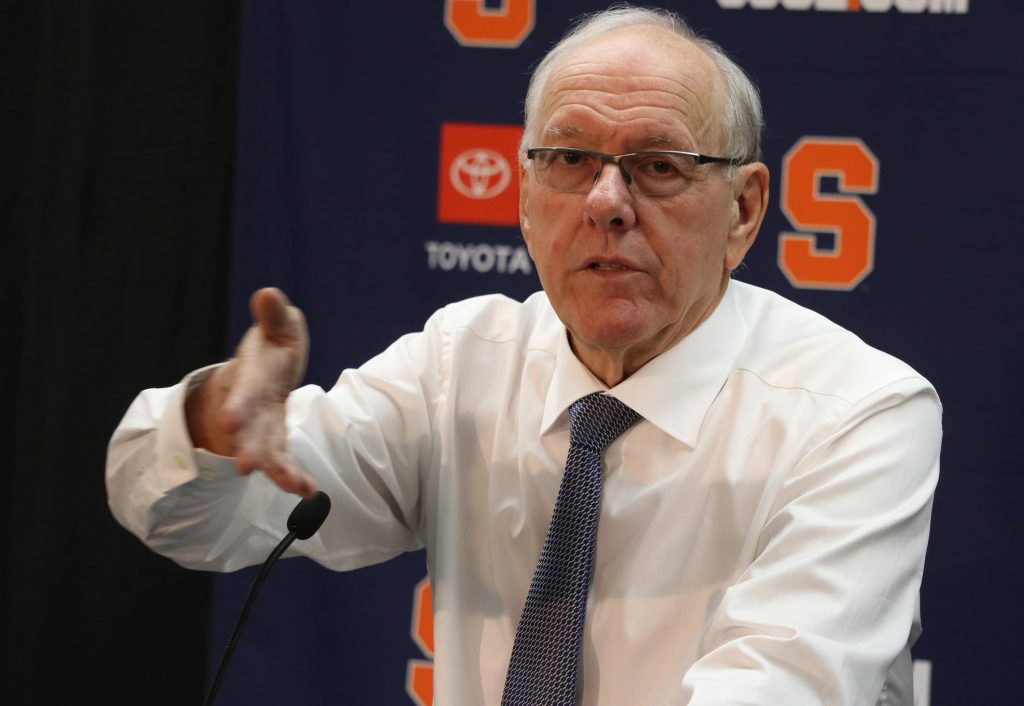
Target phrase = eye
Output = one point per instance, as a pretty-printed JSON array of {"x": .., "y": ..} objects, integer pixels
[
  {"x": 661, "y": 173},
  {"x": 571, "y": 158},
  {"x": 661, "y": 167}
]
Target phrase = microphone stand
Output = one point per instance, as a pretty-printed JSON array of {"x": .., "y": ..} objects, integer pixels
[{"x": 304, "y": 521}]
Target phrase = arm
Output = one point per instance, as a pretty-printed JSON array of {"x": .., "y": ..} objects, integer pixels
[
  {"x": 363, "y": 443},
  {"x": 830, "y": 600},
  {"x": 175, "y": 462}
]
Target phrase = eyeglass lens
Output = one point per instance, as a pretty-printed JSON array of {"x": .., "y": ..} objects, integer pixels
[{"x": 652, "y": 173}]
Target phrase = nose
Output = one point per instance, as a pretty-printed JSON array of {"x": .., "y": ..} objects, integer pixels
[{"x": 609, "y": 203}]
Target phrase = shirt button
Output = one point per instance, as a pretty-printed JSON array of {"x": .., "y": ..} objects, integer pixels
[
  {"x": 180, "y": 461},
  {"x": 206, "y": 473}
]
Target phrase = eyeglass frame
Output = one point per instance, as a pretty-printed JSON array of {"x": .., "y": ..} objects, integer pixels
[{"x": 616, "y": 159}]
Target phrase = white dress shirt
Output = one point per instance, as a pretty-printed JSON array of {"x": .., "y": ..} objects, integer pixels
[{"x": 762, "y": 530}]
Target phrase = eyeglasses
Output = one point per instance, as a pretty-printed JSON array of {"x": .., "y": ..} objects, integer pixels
[{"x": 656, "y": 173}]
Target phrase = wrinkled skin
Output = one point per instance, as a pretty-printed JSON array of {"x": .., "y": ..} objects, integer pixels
[{"x": 630, "y": 275}]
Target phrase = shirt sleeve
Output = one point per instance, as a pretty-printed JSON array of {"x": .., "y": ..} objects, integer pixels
[
  {"x": 367, "y": 443},
  {"x": 831, "y": 599}
]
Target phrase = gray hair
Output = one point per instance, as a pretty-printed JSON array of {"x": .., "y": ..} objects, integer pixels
[{"x": 742, "y": 121}]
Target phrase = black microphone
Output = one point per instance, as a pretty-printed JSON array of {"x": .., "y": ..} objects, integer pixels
[
  {"x": 303, "y": 523},
  {"x": 308, "y": 515}
]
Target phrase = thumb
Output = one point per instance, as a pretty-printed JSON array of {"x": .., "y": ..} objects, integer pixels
[
  {"x": 279, "y": 328},
  {"x": 273, "y": 313}
]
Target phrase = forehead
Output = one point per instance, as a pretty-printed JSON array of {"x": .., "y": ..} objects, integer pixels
[{"x": 633, "y": 88}]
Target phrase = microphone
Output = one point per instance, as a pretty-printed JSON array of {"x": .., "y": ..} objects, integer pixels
[
  {"x": 308, "y": 515},
  {"x": 303, "y": 523}
]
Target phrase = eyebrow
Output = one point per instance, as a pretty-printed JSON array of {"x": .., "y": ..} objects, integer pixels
[
  {"x": 569, "y": 131},
  {"x": 656, "y": 142},
  {"x": 659, "y": 141}
]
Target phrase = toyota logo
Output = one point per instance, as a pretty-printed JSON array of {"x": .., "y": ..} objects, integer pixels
[{"x": 480, "y": 173}]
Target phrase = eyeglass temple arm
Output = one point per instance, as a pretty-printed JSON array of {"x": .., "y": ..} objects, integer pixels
[{"x": 734, "y": 161}]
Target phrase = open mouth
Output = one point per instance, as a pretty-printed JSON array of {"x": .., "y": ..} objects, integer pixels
[{"x": 607, "y": 266}]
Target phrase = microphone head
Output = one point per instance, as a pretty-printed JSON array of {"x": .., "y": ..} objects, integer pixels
[{"x": 309, "y": 514}]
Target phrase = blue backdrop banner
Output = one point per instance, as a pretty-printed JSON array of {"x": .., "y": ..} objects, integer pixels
[{"x": 377, "y": 181}]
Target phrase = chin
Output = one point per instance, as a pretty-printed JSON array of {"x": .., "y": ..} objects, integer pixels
[{"x": 606, "y": 330}]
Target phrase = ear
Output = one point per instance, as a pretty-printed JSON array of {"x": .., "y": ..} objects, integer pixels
[
  {"x": 750, "y": 202},
  {"x": 524, "y": 204}
]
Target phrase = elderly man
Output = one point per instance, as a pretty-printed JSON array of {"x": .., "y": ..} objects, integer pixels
[{"x": 744, "y": 508}]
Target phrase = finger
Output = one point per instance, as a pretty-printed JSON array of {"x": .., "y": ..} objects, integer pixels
[
  {"x": 234, "y": 414},
  {"x": 263, "y": 448},
  {"x": 239, "y": 410},
  {"x": 237, "y": 405},
  {"x": 279, "y": 468},
  {"x": 281, "y": 325},
  {"x": 274, "y": 314},
  {"x": 286, "y": 476},
  {"x": 262, "y": 373}
]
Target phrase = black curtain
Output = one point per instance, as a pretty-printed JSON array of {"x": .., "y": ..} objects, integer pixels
[{"x": 116, "y": 155}]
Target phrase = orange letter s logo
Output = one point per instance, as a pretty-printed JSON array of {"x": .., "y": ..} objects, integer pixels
[
  {"x": 473, "y": 25},
  {"x": 419, "y": 677},
  {"x": 852, "y": 255}
]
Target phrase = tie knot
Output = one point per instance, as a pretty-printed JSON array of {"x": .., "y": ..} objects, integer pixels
[{"x": 595, "y": 421}]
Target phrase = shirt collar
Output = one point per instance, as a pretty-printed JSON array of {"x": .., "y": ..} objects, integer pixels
[{"x": 673, "y": 391}]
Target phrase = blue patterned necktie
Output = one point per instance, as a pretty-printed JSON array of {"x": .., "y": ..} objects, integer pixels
[{"x": 543, "y": 669}]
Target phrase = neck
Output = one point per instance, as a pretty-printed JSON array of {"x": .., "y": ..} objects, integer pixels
[{"x": 612, "y": 365}]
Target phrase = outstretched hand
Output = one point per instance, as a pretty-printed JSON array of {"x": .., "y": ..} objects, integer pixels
[{"x": 240, "y": 410}]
